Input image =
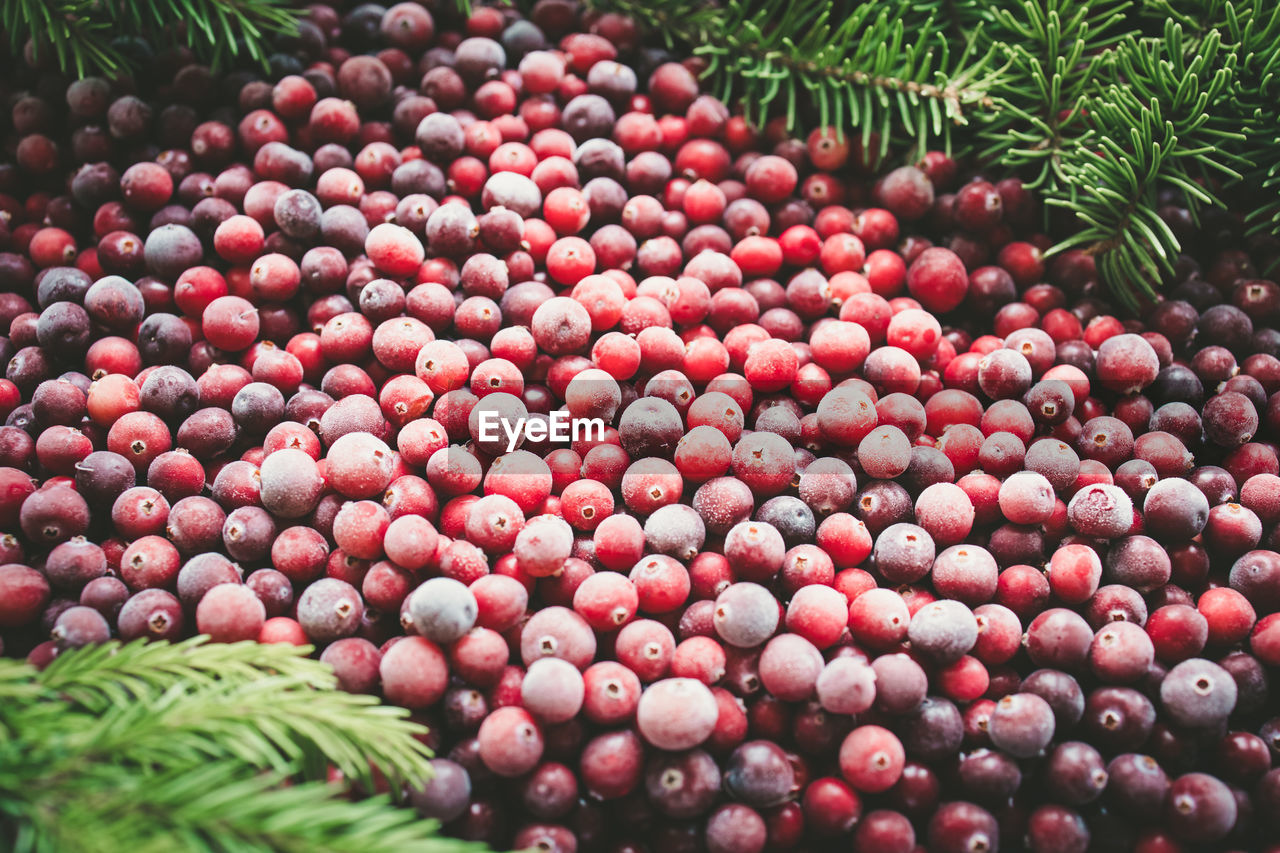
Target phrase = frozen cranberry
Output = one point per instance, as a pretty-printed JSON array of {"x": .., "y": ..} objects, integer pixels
[
  {"x": 79, "y": 626},
  {"x": 1022, "y": 724},
  {"x": 745, "y": 615},
  {"x": 229, "y": 612},
  {"x": 53, "y": 515},
  {"x": 937, "y": 278},
  {"x": 1175, "y": 509},
  {"x": 1200, "y": 808},
  {"x": 151, "y": 613},
  {"x": 330, "y": 609},
  {"x": 676, "y": 713},
  {"x": 413, "y": 672},
  {"x": 26, "y": 594}
]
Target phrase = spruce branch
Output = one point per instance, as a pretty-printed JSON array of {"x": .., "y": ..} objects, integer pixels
[
  {"x": 887, "y": 69},
  {"x": 79, "y": 39},
  {"x": 216, "y": 29},
  {"x": 216, "y": 808},
  {"x": 200, "y": 699},
  {"x": 1112, "y": 193},
  {"x": 1150, "y": 127},
  {"x": 81, "y": 33},
  {"x": 98, "y": 677},
  {"x": 1187, "y": 86},
  {"x": 1265, "y": 219},
  {"x": 201, "y": 747},
  {"x": 274, "y": 723},
  {"x": 1255, "y": 33},
  {"x": 1057, "y": 52}
]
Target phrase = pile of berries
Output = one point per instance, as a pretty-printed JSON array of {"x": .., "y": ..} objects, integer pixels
[{"x": 898, "y": 537}]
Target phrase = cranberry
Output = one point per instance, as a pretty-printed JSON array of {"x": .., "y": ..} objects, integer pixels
[{"x": 848, "y": 452}]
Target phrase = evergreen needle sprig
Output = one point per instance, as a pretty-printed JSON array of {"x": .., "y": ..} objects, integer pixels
[
  {"x": 1112, "y": 192},
  {"x": 83, "y": 35},
  {"x": 1251, "y": 28},
  {"x": 98, "y": 677},
  {"x": 216, "y": 29},
  {"x": 889, "y": 69},
  {"x": 82, "y": 42},
  {"x": 1057, "y": 51},
  {"x": 1150, "y": 127},
  {"x": 202, "y": 747},
  {"x": 215, "y": 807}
]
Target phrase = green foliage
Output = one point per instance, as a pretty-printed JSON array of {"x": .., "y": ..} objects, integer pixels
[
  {"x": 217, "y": 29},
  {"x": 1252, "y": 29},
  {"x": 80, "y": 41},
  {"x": 82, "y": 33},
  {"x": 1209, "y": 68},
  {"x": 1151, "y": 125},
  {"x": 891, "y": 69},
  {"x": 1057, "y": 51},
  {"x": 1112, "y": 192},
  {"x": 201, "y": 747}
]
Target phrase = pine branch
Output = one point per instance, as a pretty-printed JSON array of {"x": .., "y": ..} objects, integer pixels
[
  {"x": 1246, "y": 36},
  {"x": 200, "y": 747},
  {"x": 80, "y": 32},
  {"x": 1057, "y": 52},
  {"x": 888, "y": 69},
  {"x": 216, "y": 29},
  {"x": 80, "y": 39},
  {"x": 1255, "y": 32},
  {"x": 1189, "y": 88},
  {"x": 1113, "y": 196},
  {"x": 18, "y": 693},
  {"x": 277, "y": 723},
  {"x": 1266, "y": 218},
  {"x": 215, "y": 808},
  {"x": 256, "y": 703},
  {"x": 111, "y": 674},
  {"x": 1149, "y": 128}
]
